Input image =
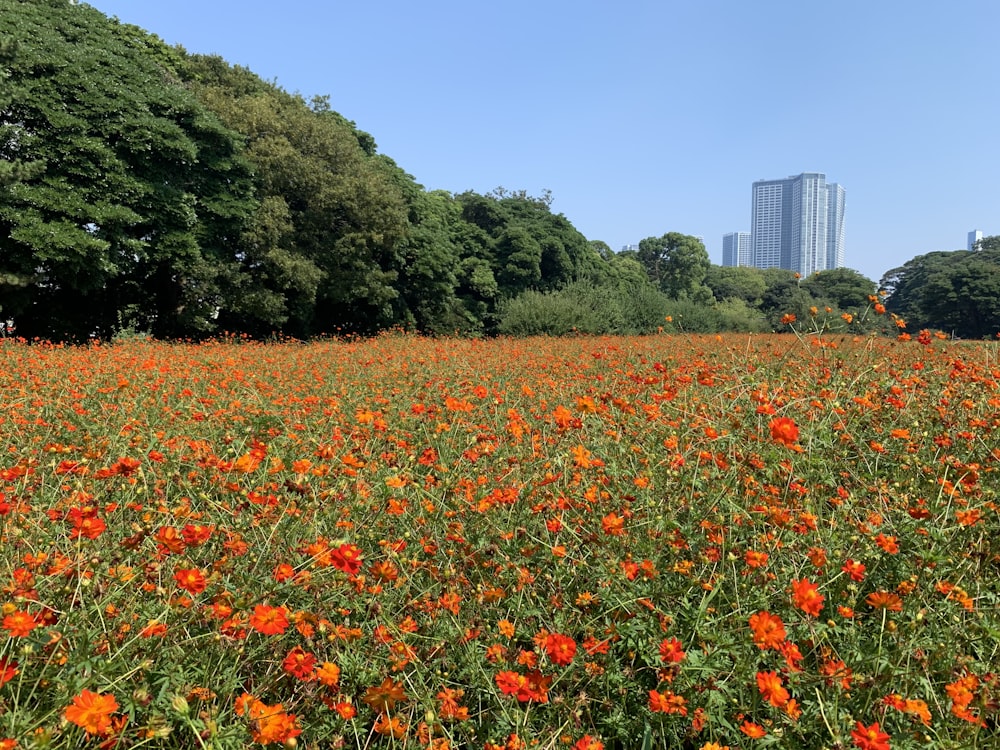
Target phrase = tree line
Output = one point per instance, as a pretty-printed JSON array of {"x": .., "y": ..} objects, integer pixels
[{"x": 144, "y": 189}]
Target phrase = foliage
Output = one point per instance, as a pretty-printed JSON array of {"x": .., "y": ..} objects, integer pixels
[
  {"x": 957, "y": 292},
  {"x": 580, "y": 307},
  {"x": 332, "y": 239},
  {"x": 736, "y": 282},
  {"x": 129, "y": 193},
  {"x": 843, "y": 289},
  {"x": 677, "y": 264},
  {"x": 667, "y": 541}
]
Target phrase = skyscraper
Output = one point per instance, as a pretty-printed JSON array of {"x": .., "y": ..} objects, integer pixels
[
  {"x": 797, "y": 223},
  {"x": 736, "y": 249},
  {"x": 835, "y": 201}
]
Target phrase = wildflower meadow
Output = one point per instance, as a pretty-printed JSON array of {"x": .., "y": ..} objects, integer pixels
[{"x": 671, "y": 541}]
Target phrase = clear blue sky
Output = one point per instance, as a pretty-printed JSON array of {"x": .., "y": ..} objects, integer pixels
[{"x": 646, "y": 117}]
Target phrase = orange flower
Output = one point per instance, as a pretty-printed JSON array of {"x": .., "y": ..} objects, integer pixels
[
  {"x": 912, "y": 706},
  {"x": 154, "y": 629},
  {"x": 753, "y": 731},
  {"x": 870, "y": 737},
  {"x": 668, "y": 703},
  {"x": 806, "y": 597},
  {"x": 390, "y": 726},
  {"x": 346, "y": 710},
  {"x": 448, "y": 706},
  {"x": 755, "y": 559},
  {"x": 768, "y": 630},
  {"x": 269, "y": 620},
  {"x": 885, "y": 600},
  {"x": 793, "y": 655},
  {"x": 270, "y": 724},
  {"x": 588, "y": 743},
  {"x": 329, "y": 674},
  {"x": 769, "y": 684},
  {"x": 383, "y": 698},
  {"x": 92, "y": 712},
  {"x": 613, "y": 524},
  {"x": 191, "y": 580},
  {"x": 887, "y": 543},
  {"x": 20, "y": 624},
  {"x": 784, "y": 431}
]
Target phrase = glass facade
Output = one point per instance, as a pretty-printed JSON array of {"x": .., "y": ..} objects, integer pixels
[
  {"x": 797, "y": 223},
  {"x": 736, "y": 250}
]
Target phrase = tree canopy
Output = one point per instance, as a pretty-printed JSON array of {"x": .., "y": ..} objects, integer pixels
[
  {"x": 145, "y": 189},
  {"x": 956, "y": 292}
]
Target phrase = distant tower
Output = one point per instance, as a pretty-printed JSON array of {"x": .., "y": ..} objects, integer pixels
[
  {"x": 797, "y": 223},
  {"x": 835, "y": 204},
  {"x": 736, "y": 250},
  {"x": 974, "y": 236}
]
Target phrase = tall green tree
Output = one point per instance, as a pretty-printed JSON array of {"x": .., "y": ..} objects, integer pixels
[
  {"x": 843, "y": 288},
  {"x": 783, "y": 295},
  {"x": 677, "y": 263},
  {"x": 332, "y": 240},
  {"x": 956, "y": 292},
  {"x": 736, "y": 282},
  {"x": 135, "y": 190}
]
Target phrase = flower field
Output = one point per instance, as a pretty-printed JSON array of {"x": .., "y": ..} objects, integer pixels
[{"x": 669, "y": 541}]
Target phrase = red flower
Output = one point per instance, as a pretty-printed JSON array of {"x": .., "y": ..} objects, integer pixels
[
  {"x": 300, "y": 663},
  {"x": 347, "y": 557},
  {"x": 784, "y": 431},
  {"x": 870, "y": 737},
  {"x": 8, "y": 669},
  {"x": 671, "y": 651},
  {"x": 806, "y": 597},
  {"x": 854, "y": 569},
  {"x": 525, "y": 687},
  {"x": 560, "y": 648}
]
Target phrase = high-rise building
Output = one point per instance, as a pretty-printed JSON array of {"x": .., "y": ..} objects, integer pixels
[
  {"x": 797, "y": 223},
  {"x": 835, "y": 201},
  {"x": 974, "y": 236},
  {"x": 736, "y": 250}
]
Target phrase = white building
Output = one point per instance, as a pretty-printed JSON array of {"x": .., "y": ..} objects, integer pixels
[
  {"x": 736, "y": 249},
  {"x": 797, "y": 223},
  {"x": 974, "y": 236}
]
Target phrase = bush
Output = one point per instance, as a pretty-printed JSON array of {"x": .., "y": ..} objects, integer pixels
[{"x": 578, "y": 308}]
